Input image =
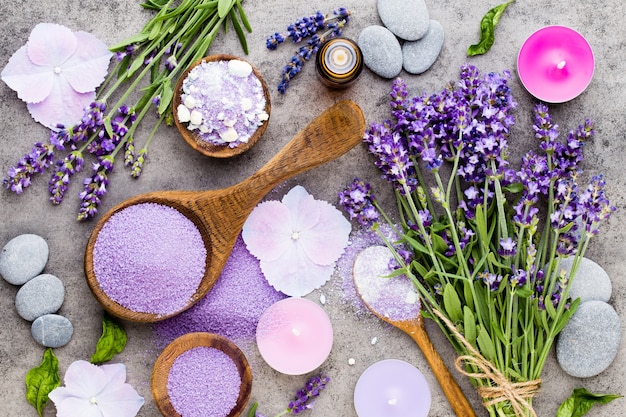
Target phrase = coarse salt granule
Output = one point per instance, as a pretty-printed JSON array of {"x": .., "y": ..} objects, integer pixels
[
  {"x": 231, "y": 308},
  {"x": 149, "y": 258},
  {"x": 203, "y": 382},
  {"x": 227, "y": 100}
]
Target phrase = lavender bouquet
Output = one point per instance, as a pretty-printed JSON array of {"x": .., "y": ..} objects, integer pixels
[{"x": 484, "y": 240}]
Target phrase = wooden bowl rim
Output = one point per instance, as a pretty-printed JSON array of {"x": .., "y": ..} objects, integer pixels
[
  {"x": 120, "y": 311},
  {"x": 191, "y": 137},
  {"x": 163, "y": 364}
]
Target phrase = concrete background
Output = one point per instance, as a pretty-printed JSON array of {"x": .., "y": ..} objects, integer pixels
[{"x": 174, "y": 165}]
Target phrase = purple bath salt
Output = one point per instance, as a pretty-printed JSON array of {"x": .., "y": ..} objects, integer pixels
[
  {"x": 203, "y": 382},
  {"x": 149, "y": 258},
  {"x": 231, "y": 308},
  {"x": 394, "y": 298},
  {"x": 223, "y": 102}
]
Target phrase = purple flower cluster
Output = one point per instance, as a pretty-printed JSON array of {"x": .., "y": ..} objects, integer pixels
[
  {"x": 303, "y": 28},
  {"x": 95, "y": 187},
  {"x": 359, "y": 202},
  {"x": 305, "y": 397}
]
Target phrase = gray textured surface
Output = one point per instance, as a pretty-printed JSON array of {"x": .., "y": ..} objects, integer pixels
[{"x": 174, "y": 165}]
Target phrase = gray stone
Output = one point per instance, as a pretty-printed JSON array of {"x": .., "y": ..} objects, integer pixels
[
  {"x": 418, "y": 56},
  {"x": 43, "y": 294},
  {"x": 591, "y": 282},
  {"x": 407, "y": 19},
  {"x": 23, "y": 258},
  {"x": 590, "y": 340},
  {"x": 381, "y": 50},
  {"x": 52, "y": 330}
]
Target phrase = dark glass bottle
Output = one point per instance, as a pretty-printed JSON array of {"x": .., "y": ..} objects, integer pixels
[{"x": 339, "y": 62}]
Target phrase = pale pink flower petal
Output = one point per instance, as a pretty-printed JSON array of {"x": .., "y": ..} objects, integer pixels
[
  {"x": 82, "y": 379},
  {"x": 63, "y": 105},
  {"x": 88, "y": 66},
  {"x": 32, "y": 83},
  {"x": 120, "y": 401},
  {"x": 77, "y": 407},
  {"x": 51, "y": 44},
  {"x": 267, "y": 231},
  {"x": 303, "y": 208},
  {"x": 294, "y": 274},
  {"x": 324, "y": 243}
]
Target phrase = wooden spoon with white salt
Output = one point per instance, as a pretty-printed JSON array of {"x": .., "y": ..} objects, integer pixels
[{"x": 395, "y": 301}]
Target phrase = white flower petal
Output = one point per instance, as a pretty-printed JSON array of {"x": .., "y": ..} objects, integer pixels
[
  {"x": 303, "y": 208},
  {"x": 33, "y": 83},
  {"x": 51, "y": 44},
  {"x": 84, "y": 380},
  {"x": 63, "y": 105},
  {"x": 87, "y": 68},
  {"x": 325, "y": 241},
  {"x": 267, "y": 231},
  {"x": 77, "y": 407}
]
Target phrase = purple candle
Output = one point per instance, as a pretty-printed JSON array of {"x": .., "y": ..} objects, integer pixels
[
  {"x": 392, "y": 388},
  {"x": 555, "y": 64}
]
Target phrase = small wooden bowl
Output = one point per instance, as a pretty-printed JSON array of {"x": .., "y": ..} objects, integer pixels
[
  {"x": 164, "y": 362},
  {"x": 192, "y": 137}
]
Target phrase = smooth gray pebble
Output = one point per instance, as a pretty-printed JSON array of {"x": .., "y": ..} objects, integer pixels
[
  {"x": 418, "y": 56},
  {"x": 23, "y": 258},
  {"x": 52, "y": 330},
  {"x": 591, "y": 282},
  {"x": 382, "y": 52},
  {"x": 43, "y": 294},
  {"x": 407, "y": 19}
]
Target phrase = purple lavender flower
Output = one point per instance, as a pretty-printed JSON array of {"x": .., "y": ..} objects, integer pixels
[
  {"x": 518, "y": 278},
  {"x": 491, "y": 280},
  {"x": 95, "y": 187},
  {"x": 36, "y": 161},
  {"x": 507, "y": 247},
  {"x": 65, "y": 169},
  {"x": 595, "y": 206},
  {"x": 305, "y": 397},
  {"x": 357, "y": 200},
  {"x": 140, "y": 159}
]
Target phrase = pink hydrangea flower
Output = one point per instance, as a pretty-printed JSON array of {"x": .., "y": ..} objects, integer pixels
[
  {"x": 96, "y": 391},
  {"x": 57, "y": 72},
  {"x": 297, "y": 240}
]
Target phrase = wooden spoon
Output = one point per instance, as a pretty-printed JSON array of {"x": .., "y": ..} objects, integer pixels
[
  {"x": 163, "y": 364},
  {"x": 415, "y": 328},
  {"x": 220, "y": 214}
]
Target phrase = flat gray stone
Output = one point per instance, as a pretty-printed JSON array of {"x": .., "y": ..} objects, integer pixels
[
  {"x": 23, "y": 258},
  {"x": 43, "y": 294},
  {"x": 52, "y": 330},
  {"x": 591, "y": 282},
  {"x": 590, "y": 340},
  {"x": 407, "y": 19},
  {"x": 381, "y": 50},
  {"x": 418, "y": 56}
]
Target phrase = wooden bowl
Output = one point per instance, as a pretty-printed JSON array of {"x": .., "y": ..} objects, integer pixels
[
  {"x": 164, "y": 362},
  {"x": 192, "y": 137}
]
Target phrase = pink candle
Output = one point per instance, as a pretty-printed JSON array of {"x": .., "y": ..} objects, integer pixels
[
  {"x": 294, "y": 336},
  {"x": 555, "y": 64},
  {"x": 392, "y": 388}
]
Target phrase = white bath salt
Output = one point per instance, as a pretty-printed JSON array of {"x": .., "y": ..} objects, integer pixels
[
  {"x": 229, "y": 101},
  {"x": 374, "y": 340},
  {"x": 322, "y": 299},
  {"x": 351, "y": 361},
  {"x": 394, "y": 298}
]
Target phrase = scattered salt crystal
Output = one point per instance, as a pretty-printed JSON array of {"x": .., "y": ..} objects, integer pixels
[
  {"x": 230, "y": 135},
  {"x": 203, "y": 382},
  {"x": 230, "y": 122},
  {"x": 374, "y": 340},
  {"x": 322, "y": 299},
  {"x": 246, "y": 104},
  {"x": 263, "y": 116},
  {"x": 239, "y": 68},
  {"x": 183, "y": 113},
  {"x": 351, "y": 361}
]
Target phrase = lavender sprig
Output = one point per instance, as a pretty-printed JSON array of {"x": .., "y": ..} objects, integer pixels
[
  {"x": 301, "y": 29},
  {"x": 304, "y": 398}
]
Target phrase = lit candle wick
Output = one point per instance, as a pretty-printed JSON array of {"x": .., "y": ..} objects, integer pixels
[
  {"x": 340, "y": 57},
  {"x": 561, "y": 65},
  {"x": 392, "y": 401},
  {"x": 295, "y": 331}
]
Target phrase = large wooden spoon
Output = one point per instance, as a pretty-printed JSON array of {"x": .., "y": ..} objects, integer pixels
[
  {"x": 415, "y": 328},
  {"x": 220, "y": 214}
]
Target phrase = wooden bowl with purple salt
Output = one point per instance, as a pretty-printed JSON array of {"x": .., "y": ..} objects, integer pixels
[
  {"x": 221, "y": 105},
  {"x": 201, "y": 374}
]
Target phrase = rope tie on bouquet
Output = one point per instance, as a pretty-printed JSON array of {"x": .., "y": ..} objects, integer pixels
[{"x": 503, "y": 390}]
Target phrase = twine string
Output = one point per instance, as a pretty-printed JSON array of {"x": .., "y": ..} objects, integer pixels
[{"x": 517, "y": 393}]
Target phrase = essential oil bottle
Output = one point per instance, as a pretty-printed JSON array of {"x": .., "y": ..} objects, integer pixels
[{"x": 339, "y": 62}]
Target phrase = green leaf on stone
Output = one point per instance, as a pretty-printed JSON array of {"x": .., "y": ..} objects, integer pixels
[
  {"x": 581, "y": 401},
  {"x": 487, "y": 30},
  {"x": 112, "y": 341},
  {"x": 41, "y": 380}
]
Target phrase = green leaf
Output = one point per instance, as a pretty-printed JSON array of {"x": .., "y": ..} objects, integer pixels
[
  {"x": 419, "y": 268},
  {"x": 514, "y": 188},
  {"x": 485, "y": 344},
  {"x": 112, "y": 341},
  {"x": 166, "y": 96},
  {"x": 40, "y": 381},
  {"x": 487, "y": 28},
  {"x": 138, "y": 38},
  {"x": 223, "y": 7},
  {"x": 239, "y": 30},
  {"x": 252, "y": 412},
  {"x": 108, "y": 126},
  {"x": 452, "y": 303},
  {"x": 244, "y": 18},
  {"x": 469, "y": 325},
  {"x": 581, "y": 401}
]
